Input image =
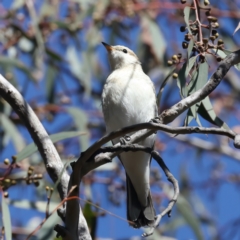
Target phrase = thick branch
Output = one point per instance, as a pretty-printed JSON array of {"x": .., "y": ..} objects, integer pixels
[
  {"x": 170, "y": 114},
  {"x": 166, "y": 117},
  {"x": 45, "y": 146}
]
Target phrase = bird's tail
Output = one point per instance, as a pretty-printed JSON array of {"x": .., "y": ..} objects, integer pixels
[{"x": 139, "y": 216}]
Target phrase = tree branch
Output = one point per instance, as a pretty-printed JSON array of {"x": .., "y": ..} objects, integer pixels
[{"x": 52, "y": 161}]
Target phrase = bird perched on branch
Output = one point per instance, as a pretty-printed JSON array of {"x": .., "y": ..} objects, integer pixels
[{"x": 129, "y": 98}]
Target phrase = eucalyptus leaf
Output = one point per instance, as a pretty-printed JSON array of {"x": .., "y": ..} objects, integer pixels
[
  {"x": 50, "y": 83},
  {"x": 202, "y": 76},
  {"x": 80, "y": 69},
  {"x": 159, "y": 95},
  {"x": 81, "y": 120},
  {"x": 11, "y": 130},
  {"x": 6, "y": 218},
  {"x": 32, "y": 148},
  {"x": 183, "y": 74},
  {"x": 187, "y": 213},
  {"x": 186, "y": 13},
  {"x": 37, "y": 205},
  {"x": 16, "y": 4},
  {"x": 223, "y": 53},
  {"x": 189, "y": 117},
  {"x": 12, "y": 62},
  {"x": 152, "y": 36},
  {"x": 48, "y": 10},
  {"x": 206, "y": 111},
  {"x": 181, "y": 80},
  {"x": 189, "y": 49}
]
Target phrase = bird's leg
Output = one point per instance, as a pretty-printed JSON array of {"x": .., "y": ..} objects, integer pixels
[{"x": 124, "y": 140}]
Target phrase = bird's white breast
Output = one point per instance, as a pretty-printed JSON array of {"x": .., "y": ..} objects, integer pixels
[{"x": 128, "y": 98}]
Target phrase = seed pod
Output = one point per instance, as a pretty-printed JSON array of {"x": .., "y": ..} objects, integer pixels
[
  {"x": 206, "y": 2},
  {"x": 29, "y": 181},
  {"x": 174, "y": 57},
  {"x": 39, "y": 176},
  {"x": 47, "y": 188},
  {"x": 175, "y": 75},
  {"x": 214, "y": 32},
  {"x": 202, "y": 58},
  {"x": 220, "y": 41},
  {"x": 7, "y": 180},
  {"x": 36, "y": 183},
  {"x": 13, "y": 182},
  {"x": 208, "y": 13},
  {"x": 14, "y": 159},
  {"x": 205, "y": 40},
  {"x": 6, "y": 161},
  {"x": 179, "y": 55},
  {"x": 30, "y": 172},
  {"x": 215, "y": 25},
  {"x": 187, "y": 37},
  {"x": 31, "y": 168},
  {"x": 170, "y": 63},
  {"x": 182, "y": 29},
  {"x": 6, "y": 194},
  {"x": 212, "y": 19},
  {"x": 212, "y": 38},
  {"x": 184, "y": 45}
]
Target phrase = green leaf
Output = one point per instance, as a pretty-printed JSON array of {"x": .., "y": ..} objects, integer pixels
[
  {"x": 181, "y": 81},
  {"x": 206, "y": 111},
  {"x": 12, "y": 62},
  {"x": 189, "y": 49},
  {"x": 202, "y": 75},
  {"x": 80, "y": 69},
  {"x": 152, "y": 36},
  {"x": 11, "y": 130},
  {"x": 6, "y": 218},
  {"x": 190, "y": 64},
  {"x": 91, "y": 218},
  {"x": 183, "y": 74},
  {"x": 187, "y": 212},
  {"x": 189, "y": 117},
  {"x": 50, "y": 83},
  {"x": 186, "y": 13},
  {"x": 48, "y": 10},
  {"x": 223, "y": 53},
  {"x": 32, "y": 148},
  {"x": 17, "y": 4},
  {"x": 55, "y": 56},
  {"x": 81, "y": 120},
  {"x": 198, "y": 80},
  {"x": 159, "y": 95}
]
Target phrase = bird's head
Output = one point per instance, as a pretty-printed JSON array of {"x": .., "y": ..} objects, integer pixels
[{"x": 120, "y": 56}]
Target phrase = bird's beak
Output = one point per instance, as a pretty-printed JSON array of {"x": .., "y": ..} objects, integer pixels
[{"x": 107, "y": 46}]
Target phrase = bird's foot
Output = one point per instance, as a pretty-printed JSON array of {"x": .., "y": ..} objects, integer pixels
[
  {"x": 151, "y": 229},
  {"x": 124, "y": 140},
  {"x": 155, "y": 120}
]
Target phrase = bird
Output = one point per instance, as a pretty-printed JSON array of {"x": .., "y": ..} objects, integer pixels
[{"x": 129, "y": 98}]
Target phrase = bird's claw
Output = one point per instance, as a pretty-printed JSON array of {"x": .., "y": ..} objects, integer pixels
[
  {"x": 155, "y": 120},
  {"x": 124, "y": 140}
]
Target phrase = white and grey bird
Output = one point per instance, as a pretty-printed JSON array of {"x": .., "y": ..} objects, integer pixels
[{"x": 129, "y": 98}]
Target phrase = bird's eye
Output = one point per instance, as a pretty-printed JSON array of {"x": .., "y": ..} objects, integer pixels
[{"x": 125, "y": 50}]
